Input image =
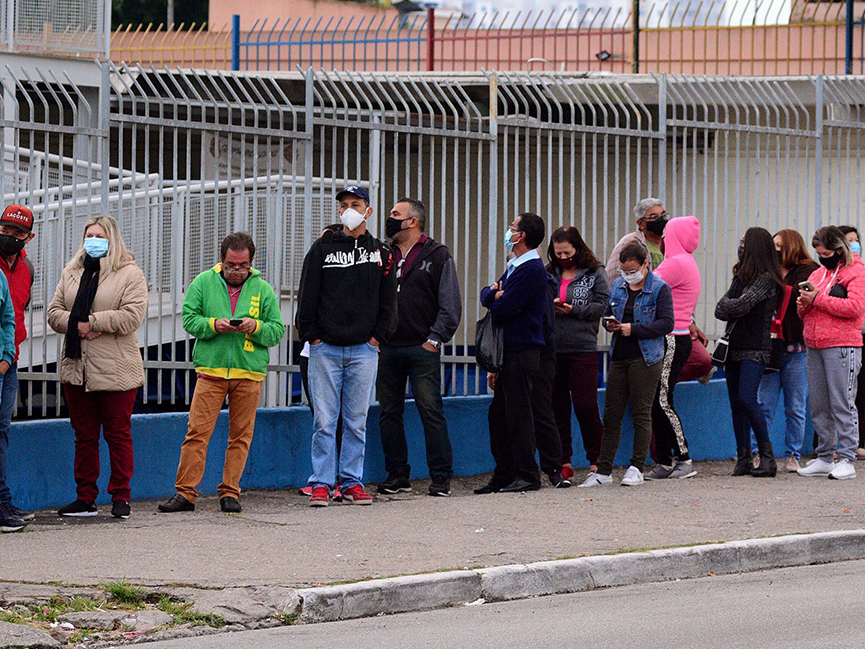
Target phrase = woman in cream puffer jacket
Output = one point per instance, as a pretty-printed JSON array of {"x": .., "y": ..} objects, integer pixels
[{"x": 99, "y": 304}]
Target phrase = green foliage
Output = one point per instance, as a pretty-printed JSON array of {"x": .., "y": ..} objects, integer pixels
[
  {"x": 183, "y": 615},
  {"x": 136, "y": 12},
  {"x": 125, "y": 594}
]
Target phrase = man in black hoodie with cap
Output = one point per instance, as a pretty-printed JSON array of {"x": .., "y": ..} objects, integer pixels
[
  {"x": 346, "y": 309},
  {"x": 429, "y": 310}
]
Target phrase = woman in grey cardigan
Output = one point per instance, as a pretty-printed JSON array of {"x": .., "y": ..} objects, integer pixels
[{"x": 582, "y": 295}]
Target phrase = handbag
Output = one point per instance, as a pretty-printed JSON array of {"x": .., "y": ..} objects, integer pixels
[
  {"x": 777, "y": 334},
  {"x": 489, "y": 345},
  {"x": 722, "y": 346}
]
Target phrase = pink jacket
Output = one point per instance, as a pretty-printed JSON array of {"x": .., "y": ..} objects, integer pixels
[
  {"x": 836, "y": 321},
  {"x": 679, "y": 269}
]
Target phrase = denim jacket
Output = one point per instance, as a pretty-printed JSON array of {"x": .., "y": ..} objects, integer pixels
[{"x": 653, "y": 315}]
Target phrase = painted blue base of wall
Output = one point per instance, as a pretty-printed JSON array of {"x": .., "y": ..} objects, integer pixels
[{"x": 41, "y": 453}]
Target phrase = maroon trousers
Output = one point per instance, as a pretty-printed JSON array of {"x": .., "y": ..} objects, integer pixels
[
  {"x": 576, "y": 383},
  {"x": 110, "y": 412}
]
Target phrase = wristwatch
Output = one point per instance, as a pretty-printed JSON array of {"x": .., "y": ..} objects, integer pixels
[{"x": 435, "y": 343}]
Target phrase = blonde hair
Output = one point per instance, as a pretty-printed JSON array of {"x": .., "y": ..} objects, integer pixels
[{"x": 118, "y": 254}]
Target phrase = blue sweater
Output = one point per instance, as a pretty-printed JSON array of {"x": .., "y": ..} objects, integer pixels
[{"x": 520, "y": 309}]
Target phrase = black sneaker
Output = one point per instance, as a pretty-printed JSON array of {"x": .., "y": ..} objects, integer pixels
[
  {"x": 9, "y": 520},
  {"x": 229, "y": 505},
  {"x": 440, "y": 487},
  {"x": 491, "y": 487},
  {"x": 177, "y": 503},
  {"x": 24, "y": 514},
  {"x": 558, "y": 480},
  {"x": 395, "y": 484},
  {"x": 78, "y": 508},
  {"x": 120, "y": 509}
]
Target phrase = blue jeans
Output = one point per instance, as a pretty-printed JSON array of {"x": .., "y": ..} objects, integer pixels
[
  {"x": 340, "y": 377},
  {"x": 793, "y": 378},
  {"x": 743, "y": 382},
  {"x": 8, "y": 395}
]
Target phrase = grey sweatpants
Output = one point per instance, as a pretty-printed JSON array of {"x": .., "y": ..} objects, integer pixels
[{"x": 832, "y": 381}]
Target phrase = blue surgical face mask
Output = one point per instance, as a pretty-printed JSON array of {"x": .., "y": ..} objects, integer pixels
[
  {"x": 96, "y": 247},
  {"x": 508, "y": 243},
  {"x": 855, "y": 247}
]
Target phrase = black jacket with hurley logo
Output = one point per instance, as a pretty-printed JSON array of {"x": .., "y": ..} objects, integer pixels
[{"x": 347, "y": 291}]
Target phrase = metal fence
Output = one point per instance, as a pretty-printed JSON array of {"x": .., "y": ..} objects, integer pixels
[
  {"x": 79, "y": 27},
  {"x": 184, "y": 157},
  {"x": 683, "y": 37}
]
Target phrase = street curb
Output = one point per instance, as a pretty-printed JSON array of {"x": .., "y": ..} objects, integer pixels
[{"x": 519, "y": 581}]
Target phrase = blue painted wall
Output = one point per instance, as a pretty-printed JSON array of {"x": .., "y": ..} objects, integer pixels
[{"x": 41, "y": 452}]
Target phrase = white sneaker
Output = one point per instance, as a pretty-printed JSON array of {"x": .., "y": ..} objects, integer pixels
[
  {"x": 843, "y": 470},
  {"x": 817, "y": 468},
  {"x": 596, "y": 479},
  {"x": 633, "y": 477}
]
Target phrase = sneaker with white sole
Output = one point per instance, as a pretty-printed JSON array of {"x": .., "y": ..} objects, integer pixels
[
  {"x": 658, "y": 472},
  {"x": 633, "y": 477},
  {"x": 683, "y": 470},
  {"x": 844, "y": 470},
  {"x": 816, "y": 468},
  {"x": 596, "y": 479}
]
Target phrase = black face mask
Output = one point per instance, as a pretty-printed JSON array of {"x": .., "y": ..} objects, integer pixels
[
  {"x": 741, "y": 251},
  {"x": 656, "y": 227},
  {"x": 830, "y": 262},
  {"x": 10, "y": 245},
  {"x": 393, "y": 226}
]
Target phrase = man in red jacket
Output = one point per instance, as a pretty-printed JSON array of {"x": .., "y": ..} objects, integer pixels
[{"x": 16, "y": 230}]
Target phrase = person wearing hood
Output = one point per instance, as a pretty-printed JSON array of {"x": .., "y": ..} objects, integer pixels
[
  {"x": 582, "y": 293},
  {"x": 234, "y": 316},
  {"x": 99, "y": 304},
  {"x": 651, "y": 221},
  {"x": 679, "y": 270},
  {"x": 428, "y": 314},
  {"x": 832, "y": 308},
  {"x": 346, "y": 308}
]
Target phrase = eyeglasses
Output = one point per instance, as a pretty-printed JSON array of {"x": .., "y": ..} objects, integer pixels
[
  {"x": 231, "y": 268},
  {"x": 655, "y": 217}
]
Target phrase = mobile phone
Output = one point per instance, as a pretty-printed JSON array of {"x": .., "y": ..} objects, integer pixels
[
  {"x": 235, "y": 322},
  {"x": 806, "y": 286},
  {"x": 610, "y": 319}
]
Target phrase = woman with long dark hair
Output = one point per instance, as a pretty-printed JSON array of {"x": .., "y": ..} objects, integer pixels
[
  {"x": 796, "y": 266},
  {"x": 583, "y": 293},
  {"x": 748, "y": 308}
]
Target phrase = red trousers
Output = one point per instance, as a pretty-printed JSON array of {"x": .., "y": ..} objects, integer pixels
[{"x": 110, "y": 412}]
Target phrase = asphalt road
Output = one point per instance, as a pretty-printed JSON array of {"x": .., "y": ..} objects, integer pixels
[{"x": 818, "y": 607}]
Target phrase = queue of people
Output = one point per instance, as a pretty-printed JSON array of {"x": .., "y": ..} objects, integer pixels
[{"x": 374, "y": 315}]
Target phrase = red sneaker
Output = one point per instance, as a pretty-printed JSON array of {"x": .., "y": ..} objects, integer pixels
[
  {"x": 305, "y": 491},
  {"x": 320, "y": 497},
  {"x": 337, "y": 492},
  {"x": 567, "y": 472},
  {"x": 356, "y": 495}
]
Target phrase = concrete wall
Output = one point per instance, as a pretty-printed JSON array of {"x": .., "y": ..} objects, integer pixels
[{"x": 41, "y": 453}]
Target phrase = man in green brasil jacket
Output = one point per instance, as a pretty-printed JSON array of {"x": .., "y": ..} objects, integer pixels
[{"x": 234, "y": 316}]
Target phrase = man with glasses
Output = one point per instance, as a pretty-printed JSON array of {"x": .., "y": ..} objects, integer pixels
[
  {"x": 651, "y": 221},
  {"x": 234, "y": 316},
  {"x": 16, "y": 230}
]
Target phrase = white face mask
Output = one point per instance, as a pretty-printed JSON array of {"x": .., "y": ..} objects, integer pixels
[
  {"x": 634, "y": 277},
  {"x": 351, "y": 219}
]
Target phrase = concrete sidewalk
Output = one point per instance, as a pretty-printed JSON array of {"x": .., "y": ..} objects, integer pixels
[{"x": 279, "y": 540}]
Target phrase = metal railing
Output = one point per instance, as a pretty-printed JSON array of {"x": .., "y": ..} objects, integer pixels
[
  {"x": 183, "y": 157},
  {"x": 196, "y": 46},
  {"x": 77, "y": 27},
  {"x": 683, "y": 37}
]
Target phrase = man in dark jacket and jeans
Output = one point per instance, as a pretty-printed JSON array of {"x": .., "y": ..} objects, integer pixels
[
  {"x": 518, "y": 302},
  {"x": 346, "y": 309},
  {"x": 428, "y": 295}
]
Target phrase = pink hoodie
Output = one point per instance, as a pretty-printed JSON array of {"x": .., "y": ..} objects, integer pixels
[{"x": 679, "y": 269}]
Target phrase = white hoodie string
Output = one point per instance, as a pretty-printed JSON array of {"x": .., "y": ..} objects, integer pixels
[{"x": 835, "y": 274}]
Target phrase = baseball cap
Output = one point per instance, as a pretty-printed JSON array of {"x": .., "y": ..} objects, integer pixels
[
  {"x": 19, "y": 216},
  {"x": 357, "y": 191}
]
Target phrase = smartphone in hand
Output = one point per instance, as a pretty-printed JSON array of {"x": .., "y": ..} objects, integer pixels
[
  {"x": 807, "y": 286},
  {"x": 235, "y": 322}
]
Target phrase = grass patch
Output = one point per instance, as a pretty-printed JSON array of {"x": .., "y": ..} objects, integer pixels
[
  {"x": 182, "y": 613},
  {"x": 124, "y": 594},
  {"x": 288, "y": 619},
  {"x": 57, "y": 606}
]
